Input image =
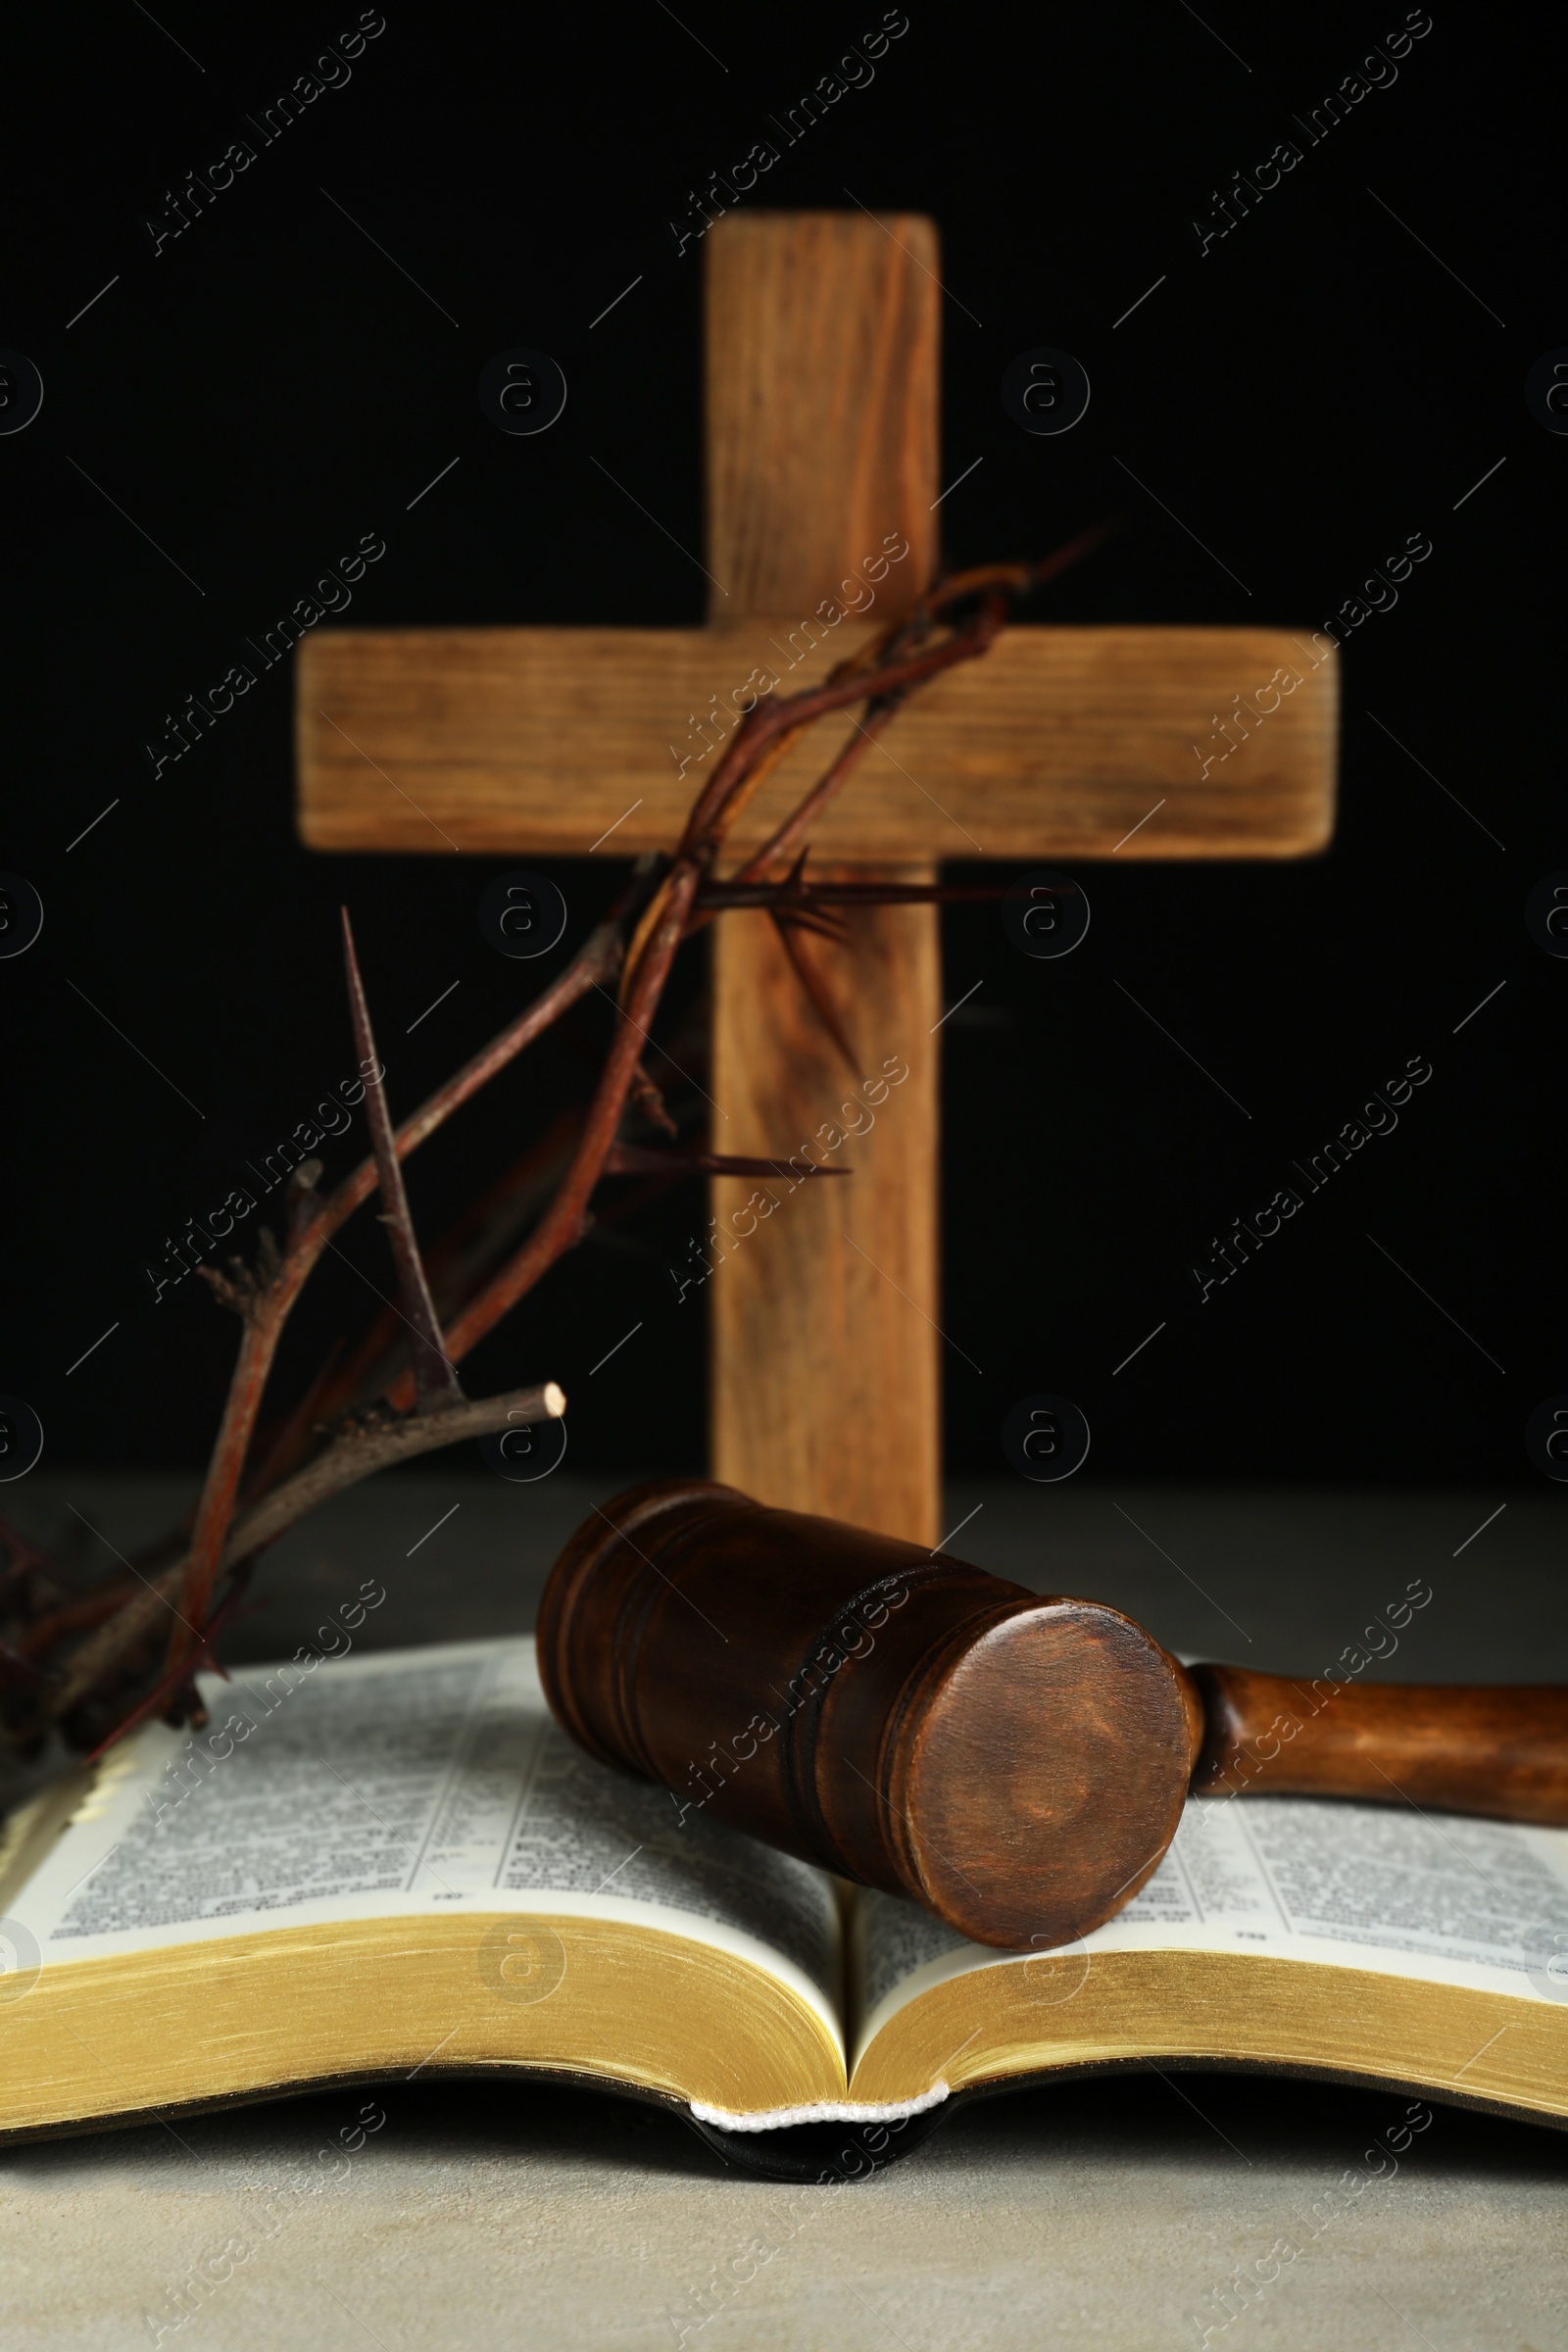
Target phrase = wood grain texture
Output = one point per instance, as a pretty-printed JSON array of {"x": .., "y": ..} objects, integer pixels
[
  {"x": 1464, "y": 1747},
  {"x": 1054, "y": 745},
  {"x": 822, "y": 363},
  {"x": 826, "y": 1373},
  {"x": 825, "y": 1386}
]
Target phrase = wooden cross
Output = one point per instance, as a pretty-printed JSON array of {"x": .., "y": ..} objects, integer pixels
[{"x": 822, "y": 371}]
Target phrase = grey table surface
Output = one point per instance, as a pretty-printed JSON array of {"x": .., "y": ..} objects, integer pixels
[{"x": 1116, "y": 2212}]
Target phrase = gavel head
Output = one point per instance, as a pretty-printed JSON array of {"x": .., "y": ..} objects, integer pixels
[{"x": 1017, "y": 1764}]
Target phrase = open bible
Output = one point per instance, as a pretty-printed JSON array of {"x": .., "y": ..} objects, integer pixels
[{"x": 397, "y": 1863}]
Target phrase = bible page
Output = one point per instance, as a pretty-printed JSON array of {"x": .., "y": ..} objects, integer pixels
[
  {"x": 1439, "y": 1895},
  {"x": 404, "y": 1783}
]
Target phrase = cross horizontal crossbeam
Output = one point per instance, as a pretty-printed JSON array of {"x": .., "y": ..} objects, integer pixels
[{"x": 1055, "y": 745}]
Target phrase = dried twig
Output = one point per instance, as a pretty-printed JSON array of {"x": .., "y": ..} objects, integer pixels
[
  {"x": 267, "y": 1300},
  {"x": 435, "y": 1378},
  {"x": 203, "y": 1652},
  {"x": 562, "y": 1222},
  {"x": 262, "y": 1301},
  {"x": 793, "y": 830},
  {"x": 346, "y": 1462}
]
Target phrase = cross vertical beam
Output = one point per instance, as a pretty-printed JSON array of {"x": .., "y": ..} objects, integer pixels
[{"x": 822, "y": 356}]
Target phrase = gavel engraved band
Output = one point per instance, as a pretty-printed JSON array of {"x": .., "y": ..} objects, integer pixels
[{"x": 1017, "y": 1764}]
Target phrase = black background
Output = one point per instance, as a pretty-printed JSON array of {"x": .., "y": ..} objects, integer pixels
[{"x": 1307, "y": 394}]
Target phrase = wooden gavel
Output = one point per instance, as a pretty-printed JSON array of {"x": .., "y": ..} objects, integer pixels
[{"x": 1017, "y": 1764}]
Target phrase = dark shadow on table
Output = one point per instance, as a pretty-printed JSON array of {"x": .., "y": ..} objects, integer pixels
[{"x": 1169, "y": 2122}]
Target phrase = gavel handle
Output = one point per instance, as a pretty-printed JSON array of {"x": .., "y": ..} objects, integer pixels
[{"x": 1460, "y": 1748}]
